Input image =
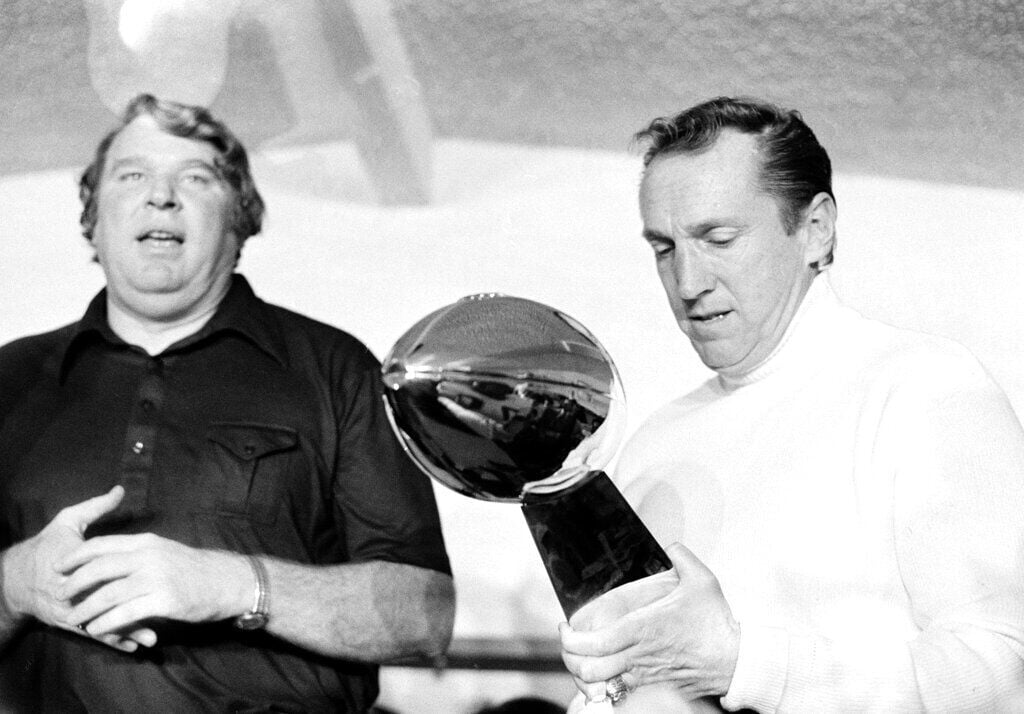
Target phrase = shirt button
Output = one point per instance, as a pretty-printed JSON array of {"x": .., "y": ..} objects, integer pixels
[
  {"x": 137, "y": 447},
  {"x": 249, "y": 449}
]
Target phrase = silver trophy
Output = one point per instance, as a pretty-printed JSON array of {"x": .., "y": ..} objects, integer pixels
[{"x": 505, "y": 399}]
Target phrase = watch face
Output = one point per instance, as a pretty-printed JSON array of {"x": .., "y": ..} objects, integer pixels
[{"x": 251, "y": 621}]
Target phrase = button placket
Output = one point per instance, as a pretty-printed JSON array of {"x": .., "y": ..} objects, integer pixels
[{"x": 140, "y": 439}]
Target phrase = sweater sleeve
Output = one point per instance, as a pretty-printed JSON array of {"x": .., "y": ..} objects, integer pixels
[{"x": 953, "y": 450}]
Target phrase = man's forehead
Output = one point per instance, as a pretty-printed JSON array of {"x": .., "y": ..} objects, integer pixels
[
  {"x": 733, "y": 161},
  {"x": 143, "y": 138}
]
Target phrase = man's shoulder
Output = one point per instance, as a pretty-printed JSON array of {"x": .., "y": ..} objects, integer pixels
[
  {"x": 282, "y": 330},
  {"x": 681, "y": 407},
  {"x": 24, "y": 359},
  {"x": 914, "y": 355},
  {"x": 307, "y": 338},
  {"x": 32, "y": 349},
  {"x": 317, "y": 329}
]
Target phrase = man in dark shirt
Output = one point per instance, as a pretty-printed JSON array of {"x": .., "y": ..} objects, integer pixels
[{"x": 201, "y": 503}]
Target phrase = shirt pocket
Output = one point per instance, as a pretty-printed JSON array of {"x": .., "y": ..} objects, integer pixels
[{"x": 254, "y": 461}]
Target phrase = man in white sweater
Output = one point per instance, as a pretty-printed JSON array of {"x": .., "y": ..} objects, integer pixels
[{"x": 844, "y": 499}]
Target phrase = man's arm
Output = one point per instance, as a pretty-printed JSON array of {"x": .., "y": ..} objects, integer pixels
[
  {"x": 371, "y": 611},
  {"x": 9, "y": 621}
]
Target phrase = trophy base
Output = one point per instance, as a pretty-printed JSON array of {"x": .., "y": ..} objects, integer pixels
[{"x": 591, "y": 540}]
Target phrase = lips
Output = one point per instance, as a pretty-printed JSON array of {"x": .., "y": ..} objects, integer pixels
[
  {"x": 708, "y": 317},
  {"x": 161, "y": 236}
]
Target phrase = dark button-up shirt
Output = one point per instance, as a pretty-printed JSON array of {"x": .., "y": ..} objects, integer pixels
[{"x": 264, "y": 432}]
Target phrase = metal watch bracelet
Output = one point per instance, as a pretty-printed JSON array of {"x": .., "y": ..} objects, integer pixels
[{"x": 258, "y": 616}]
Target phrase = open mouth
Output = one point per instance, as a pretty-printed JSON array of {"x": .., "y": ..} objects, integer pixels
[
  {"x": 162, "y": 237},
  {"x": 709, "y": 317}
]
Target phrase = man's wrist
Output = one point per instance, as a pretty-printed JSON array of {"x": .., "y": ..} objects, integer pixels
[
  {"x": 731, "y": 657},
  {"x": 762, "y": 668},
  {"x": 258, "y": 613},
  {"x": 8, "y": 610}
]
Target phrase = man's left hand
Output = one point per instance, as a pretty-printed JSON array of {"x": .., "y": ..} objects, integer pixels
[
  {"x": 656, "y": 630},
  {"x": 120, "y": 581}
]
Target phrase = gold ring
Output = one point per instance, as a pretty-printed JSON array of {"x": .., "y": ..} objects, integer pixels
[{"x": 615, "y": 689}]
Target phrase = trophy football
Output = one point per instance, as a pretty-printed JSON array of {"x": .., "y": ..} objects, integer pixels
[{"x": 506, "y": 399}]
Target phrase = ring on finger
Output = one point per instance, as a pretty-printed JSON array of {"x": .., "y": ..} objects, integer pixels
[{"x": 615, "y": 689}]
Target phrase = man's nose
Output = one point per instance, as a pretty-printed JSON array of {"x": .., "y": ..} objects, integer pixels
[
  {"x": 692, "y": 273},
  {"x": 162, "y": 193}
]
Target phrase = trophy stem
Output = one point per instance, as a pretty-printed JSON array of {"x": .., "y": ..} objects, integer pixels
[{"x": 591, "y": 540}]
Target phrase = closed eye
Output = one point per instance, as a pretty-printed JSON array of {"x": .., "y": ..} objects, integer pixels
[
  {"x": 662, "y": 248},
  {"x": 661, "y": 244},
  {"x": 721, "y": 237}
]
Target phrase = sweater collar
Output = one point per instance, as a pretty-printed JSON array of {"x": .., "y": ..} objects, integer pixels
[{"x": 807, "y": 321}]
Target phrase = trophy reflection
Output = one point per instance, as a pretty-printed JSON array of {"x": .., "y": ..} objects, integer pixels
[{"x": 506, "y": 399}]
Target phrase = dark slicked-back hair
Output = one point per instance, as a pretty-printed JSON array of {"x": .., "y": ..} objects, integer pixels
[
  {"x": 794, "y": 166},
  {"x": 190, "y": 122}
]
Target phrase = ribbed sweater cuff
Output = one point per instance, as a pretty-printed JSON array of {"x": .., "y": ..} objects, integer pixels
[{"x": 760, "y": 675}]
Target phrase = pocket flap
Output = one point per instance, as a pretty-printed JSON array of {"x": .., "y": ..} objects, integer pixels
[{"x": 252, "y": 441}]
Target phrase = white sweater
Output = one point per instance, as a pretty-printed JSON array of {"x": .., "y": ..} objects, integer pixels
[{"x": 860, "y": 496}]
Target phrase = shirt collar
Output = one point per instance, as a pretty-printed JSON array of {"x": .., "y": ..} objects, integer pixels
[{"x": 240, "y": 312}]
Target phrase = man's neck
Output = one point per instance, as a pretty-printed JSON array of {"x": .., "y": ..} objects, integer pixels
[{"x": 152, "y": 335}]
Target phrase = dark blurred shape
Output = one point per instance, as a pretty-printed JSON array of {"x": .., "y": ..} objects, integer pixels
[{"x": 524, "y": 705}]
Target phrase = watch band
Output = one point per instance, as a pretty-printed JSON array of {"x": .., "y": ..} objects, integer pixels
[{"x": 257, "y": 617}]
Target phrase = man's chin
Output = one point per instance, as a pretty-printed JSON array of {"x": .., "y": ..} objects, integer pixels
[
  {"x": 724, "y": 362},
  {"x": 157, "y": 300},
  {"x": 159, "y": 290},
  {"x": 712, "y": 355}
]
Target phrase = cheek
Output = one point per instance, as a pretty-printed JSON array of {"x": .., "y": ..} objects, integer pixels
[
  {"x": 217, "y": 215},
  {"x": 768, "y": 293},
  {"x": 101, "y": 241},
  {"x": 668, "y": 280},
  {"x": 112, "y": 218}
]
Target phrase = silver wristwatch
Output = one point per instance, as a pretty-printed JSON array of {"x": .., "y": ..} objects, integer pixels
[{"x": 257, "y": 617}]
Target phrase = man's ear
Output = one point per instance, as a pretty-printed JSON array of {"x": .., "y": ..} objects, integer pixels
[{"x": 820, "y": 224}]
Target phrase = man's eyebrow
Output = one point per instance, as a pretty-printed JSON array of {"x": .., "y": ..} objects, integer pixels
[
  {"x": 140, "y": 160},
  {"x": 202, "y": 163},
  {"x": 650, "y": 235},
  {"x": 126, "y": 161},
  {"x": 699, "y": 229},
  {"x": 694, "y": 229}
]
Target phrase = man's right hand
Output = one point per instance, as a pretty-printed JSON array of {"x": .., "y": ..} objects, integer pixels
[{"x": 31, "y": 580}]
